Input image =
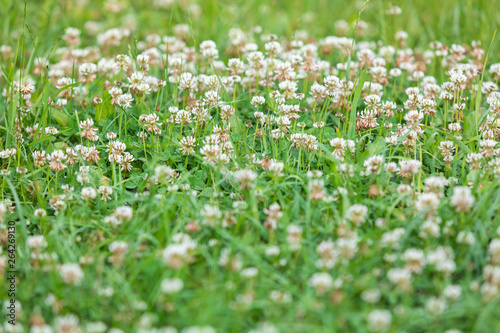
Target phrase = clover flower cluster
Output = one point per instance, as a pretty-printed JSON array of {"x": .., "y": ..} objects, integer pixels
[{"x": 275, "y": 161}]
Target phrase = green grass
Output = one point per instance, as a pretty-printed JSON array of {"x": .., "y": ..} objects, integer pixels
[{"x": 215, "y": 291}]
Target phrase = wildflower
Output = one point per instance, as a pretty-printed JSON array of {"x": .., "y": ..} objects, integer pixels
[
  {"x": 118, "y": 250},
  {"x": 289, "y": 88},
  {"x": 435, "y": 305},
  {"x": 373, "y": 164},
  {"x": 409, "y": 168},
  {"x": 379, "y": 320},
  {"x": 56, "y": 160},
  {"x": 494, "y": 251},
  {"x": 321, "y": 282},
  {"x": 414, "y": 259},
  {"x": 71, "y": 273},
  {"x": 466, "y": 237},
  {"x": 357, "y": 213},
  {"x": 105, "y": 192},
  {"x": 442, "y": 260},
  {"x": 294, "y": 237},
  {"x": 371, "y": 295},
  {"x": 125, "y": 101},
  {"x": 400, "y": 277},
  {"x": 88, "y": 193},
  {"x": 447, "y": 148},
  {"x": 51, "y": 130},
  {"x": 40, "y": 212},
  {"x": 180, "y": 252},
  {"x": 211, "y": 214},
  {"x": 8, "y": 153},
  {"x": 39, "y": 158},
  {"x": 341, "y": 145},
  {"x": 245, "y": 178},
  {"x": 72, "y": 36},
  {"x": 88, "y": 131},
  {"x": 123, "y": 213},
  {"x": 172, "y": 286},
  {"x": 183, "y": 117},
  {"x": 87, "y": 72},
  {"x": 187, "y": 145},
  {"x": 274, "y": 214},
  {"x": 462, "y": 199},
  {"x": 474, "y": 160},
  {"x": 427, "y": 202},
  {"x": 452, "y": 292},
  {"x": 435, "y": 185},
  {"x": 67, "y": 323},
  {"x": 258, "y": 100},
  {"x": 316, "y": 189},
  {"x": 249, "y": 272},
  {"x": 304, "y": 141},
  {"x": 122, "y": 62},
  {"x": 37, "y": 242}
]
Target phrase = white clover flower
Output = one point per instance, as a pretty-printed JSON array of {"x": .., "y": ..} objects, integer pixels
[
  {"x": 71, "y": 273},
  {"x": 462, "y": 199},
  {"x": 172, "y": 286},
  {"x": 357, "y": 213},
  {"x": 321, "y": 282},
  {"x": 379, "y": 320}
]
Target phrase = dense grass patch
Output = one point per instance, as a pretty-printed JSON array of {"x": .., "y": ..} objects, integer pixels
[{"x": 250, "y": 166}]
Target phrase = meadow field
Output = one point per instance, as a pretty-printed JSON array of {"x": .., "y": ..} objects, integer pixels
[{"x": 203, "y": 166}]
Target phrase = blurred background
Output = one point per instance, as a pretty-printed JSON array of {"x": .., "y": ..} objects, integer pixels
[{"x": 449, "y": 21}]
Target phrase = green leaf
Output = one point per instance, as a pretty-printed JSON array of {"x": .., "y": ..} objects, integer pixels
[
  {"x": 61, "y": 117},
  {"x": 377, "y": 146},
  {"x": 104, "y": 109},
  {"x": 236, "y": 124}
]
